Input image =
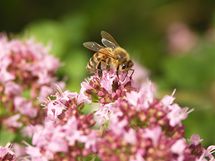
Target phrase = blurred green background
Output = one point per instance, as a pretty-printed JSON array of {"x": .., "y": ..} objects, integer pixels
[{"x": 173, "y": 40}]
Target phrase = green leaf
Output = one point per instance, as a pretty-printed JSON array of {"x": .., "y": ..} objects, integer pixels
[
  {"x": 48, "y": 32},
  {"x": 6, "y": 136}
]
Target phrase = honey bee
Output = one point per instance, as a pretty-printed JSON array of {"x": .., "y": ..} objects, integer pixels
[{"x": 111, "y": 55}]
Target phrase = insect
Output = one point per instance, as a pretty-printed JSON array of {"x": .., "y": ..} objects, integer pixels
[{"x": 111, "y": 55}]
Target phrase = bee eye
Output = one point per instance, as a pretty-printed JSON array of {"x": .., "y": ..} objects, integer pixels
[{"x": 123, "y": 66}]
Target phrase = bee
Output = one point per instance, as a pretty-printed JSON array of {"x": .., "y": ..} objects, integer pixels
[{"x": 107, "y": 56}]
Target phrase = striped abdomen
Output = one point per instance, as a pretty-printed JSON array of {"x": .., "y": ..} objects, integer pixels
[{"x": 94, "y": 61}]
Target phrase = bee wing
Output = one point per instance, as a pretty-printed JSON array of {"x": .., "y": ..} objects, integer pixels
[
  {"x": 94, "y": 46},
  {"x": 108, "y": 40},
  {"x": 109, "y": 44}
]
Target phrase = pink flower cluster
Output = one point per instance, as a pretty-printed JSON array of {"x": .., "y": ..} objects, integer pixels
[
  {"x": 124, "y": 123},
  {"x": 180, "y": 38},
  {"x": 26, "y": 73},
  {"x": 6, "y": 153},
  {"x": 66, "y": 133},
  {"x": 112, "y": 118}
]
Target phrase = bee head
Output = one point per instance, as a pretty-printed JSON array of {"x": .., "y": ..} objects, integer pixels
[{"x": 126, "y": 65}]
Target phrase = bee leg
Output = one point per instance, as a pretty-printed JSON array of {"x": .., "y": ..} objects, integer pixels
[
  {"x": 117, "y": 71},
  {"x": 108, "y": 61},
  {"x": 99, "y": 68},
  {"x": 131, "y": 73},
  {"x": 125, "y": 75}
]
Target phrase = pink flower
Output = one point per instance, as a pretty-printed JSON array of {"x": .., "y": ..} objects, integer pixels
[
  {"x": 130, "y": 136},
  {"x": 107, "y": 88},
  {"x": 45, "y": 91},
  {"x": 85, "y": 85},
  {"x": 138, "y": 157},
  {"x": 177, "y": 114},
  {"x": 143, "y": 98},
  {"x": 133, "y": 98},
  {"x": 57, "y": 142},
  {"x": 35, "y": 154},
  {"x": 12, "y": 89},
  {"x": 195, "y": 139},
  {"x": 51, "y": 138},
  {"x": 6, "y": 153},
  {"x": 42, "y": 136},
  {"x": 82, "y": 98},
  {"x": 118, "y": 126},
  {"x": 4, "y": 63},
  {"x": 43, "y": 78},
  {"x": 103, "y": 114},
  {"x": 13, "y": 121},
  {"x": 3, "y": 152},
  {"x": 25, "y": 107},
  {"x": 153, "y": 134},
  {"x": 72, "y": 132},
  {"x": 107, "y": 81},
  {"x": 66, "y": 96},
  {"x": 19, "y": 150},
  {"x": 5, "y": 76},
  {"x": 54, "y": 109},
  {"x": 181, "y": 38},
  {"x": 50, "y": 63},
  {"x": 25, "y": 68},
  {"x": 207, "y": 154},
  {"x": 140, "y": 75},
  {"x": 91, "y": 140},
  {"x": 178, "y": 148},
  {"x": 30, "y": 130},
  {"x": 166, "y": 101}
]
